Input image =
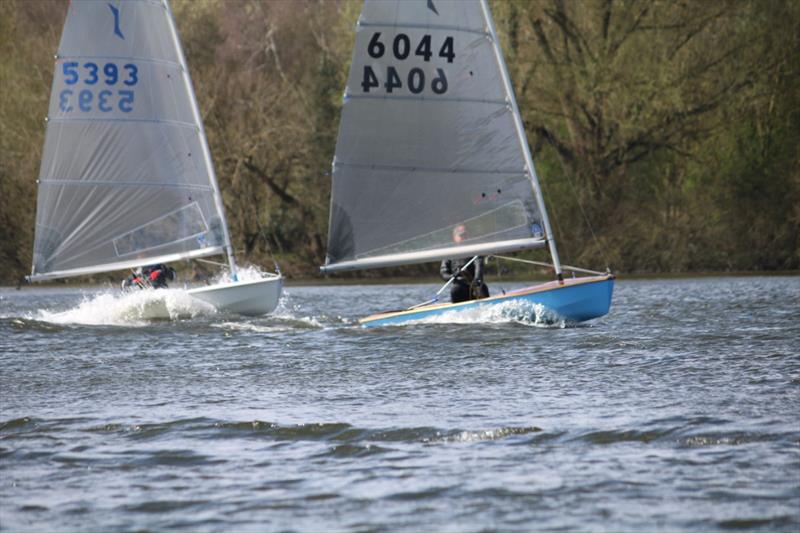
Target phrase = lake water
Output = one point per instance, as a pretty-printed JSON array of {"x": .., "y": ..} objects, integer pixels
[{"x": 679, "y": 411}]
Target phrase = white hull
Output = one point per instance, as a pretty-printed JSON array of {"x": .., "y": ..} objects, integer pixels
[{"x": 253, "y": 298}]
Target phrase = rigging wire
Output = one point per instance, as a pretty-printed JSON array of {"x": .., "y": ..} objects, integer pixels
[
  {"x": 265, "y": 238},
  {"x": 582, "y": 210},
  {"x": 555, "y": 218},
  {"x": 209, "y": 262},
  {"x": 550, "y": 265}
]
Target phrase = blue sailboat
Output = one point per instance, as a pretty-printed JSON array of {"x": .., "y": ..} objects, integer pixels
[
  {"x": 432, "y": 161},
  {"x": 573, "y": 300}
]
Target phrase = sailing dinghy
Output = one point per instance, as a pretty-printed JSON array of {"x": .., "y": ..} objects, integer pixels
[
  {"x": 432, "y": 161},
  {"x": 126, "y": 178}
]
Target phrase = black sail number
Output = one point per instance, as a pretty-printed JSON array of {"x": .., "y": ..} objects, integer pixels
[
  {"x": 415, "y": 80},
  {"x": 424, "y": 48},
  {"x": 376, "y": 48},
  {"x": 394, "y": 77},
  {"x": 439, "y": 83},
  {"x": 370, "y": 80},
  {"x": 392, "y": 80},
  {"x": 401, "y": 47},
  {"x": 446, "y": 50}
]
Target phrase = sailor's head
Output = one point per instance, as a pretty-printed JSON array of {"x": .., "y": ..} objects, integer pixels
[{"x": 459, "y": 233}]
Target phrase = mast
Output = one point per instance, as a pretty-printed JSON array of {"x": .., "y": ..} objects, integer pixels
[
  {"x": 551, "y": 242},
  {"x": 203, "y": 142}
]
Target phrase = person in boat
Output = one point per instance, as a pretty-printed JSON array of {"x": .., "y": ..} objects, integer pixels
[
  {"x": 468, "y": 283},
  {"x": 154, "y": 276}
]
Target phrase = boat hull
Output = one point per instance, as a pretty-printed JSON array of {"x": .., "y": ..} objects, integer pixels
[
  {"x": 251, "y": 298},
  {"x": 576, "y": 300}
]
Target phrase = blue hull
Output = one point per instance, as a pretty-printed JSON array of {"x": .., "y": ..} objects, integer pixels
[{"x": 577, "y": 300}]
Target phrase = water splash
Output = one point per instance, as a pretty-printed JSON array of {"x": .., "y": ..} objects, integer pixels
[
  {"x": 521, "y": 312},
  {"x": 138, "y": 308},
  {"x": 293, "y": 313},
  {"x": 134, "y": 308}
]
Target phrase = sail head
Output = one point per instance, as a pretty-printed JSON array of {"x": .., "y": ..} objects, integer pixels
[
  {"x": 428, "y": 162},
  {"x": 124, "y": 180}
]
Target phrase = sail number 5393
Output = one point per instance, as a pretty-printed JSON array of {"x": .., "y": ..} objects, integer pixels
[
  {"x": 98, "y": 82},
  {"x": 414, "y": 80}
]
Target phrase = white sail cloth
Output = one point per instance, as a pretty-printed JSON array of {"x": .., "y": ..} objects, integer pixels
[
  {"x": 125, "y": 178},
  {"x": 428, "y": 162}
]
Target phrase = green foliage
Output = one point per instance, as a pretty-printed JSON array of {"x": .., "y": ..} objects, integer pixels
[
  {"x": 28, "y": 32},
  {"x": 672, "y": 128},
  {"x": 672, "y": 125}
]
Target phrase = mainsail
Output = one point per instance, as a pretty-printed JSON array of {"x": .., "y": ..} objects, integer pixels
[
  {"x": 431, "y": 159},
  {"x": 126, "y": 177}
]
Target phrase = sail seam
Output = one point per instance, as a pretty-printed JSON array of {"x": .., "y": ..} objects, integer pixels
[
  {"x": 447, "y": 27},
  {"x": 128, "y": 58},
  {"x": 437, "y": 99},
  {"x": 442, "y": 170},
  {"x": 93, "y": 183},
  {"x": 150, "y": 120}
]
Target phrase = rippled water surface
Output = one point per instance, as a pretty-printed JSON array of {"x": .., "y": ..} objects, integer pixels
[{"x": 680, "y": 410}]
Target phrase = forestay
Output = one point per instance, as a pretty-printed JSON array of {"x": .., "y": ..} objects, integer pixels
[
  {"x": 430, "y": 159},
  {"x": 126, "y": 177}
]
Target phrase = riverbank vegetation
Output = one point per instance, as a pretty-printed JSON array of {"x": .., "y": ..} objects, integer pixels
[{"x": 666, "y": 135}]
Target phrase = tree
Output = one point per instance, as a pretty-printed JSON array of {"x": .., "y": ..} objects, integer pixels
[{"x": 622, "y": 97}]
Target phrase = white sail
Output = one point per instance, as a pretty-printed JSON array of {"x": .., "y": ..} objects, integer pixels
[
  {"x": 431, "y": 160},
  {"x": 126, "y": 177}
]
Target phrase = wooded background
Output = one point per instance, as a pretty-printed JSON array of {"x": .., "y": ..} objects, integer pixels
[{"x": 666, "y": 134}]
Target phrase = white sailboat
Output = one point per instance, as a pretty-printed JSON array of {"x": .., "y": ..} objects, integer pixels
[
  {"x": 432, "y": 161},
  {"x": 126, "y": 178}
]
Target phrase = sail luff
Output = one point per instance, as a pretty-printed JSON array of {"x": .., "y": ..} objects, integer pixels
[
  {"x": 522, "y": 137},
  {"x": 187, "y": 79}
]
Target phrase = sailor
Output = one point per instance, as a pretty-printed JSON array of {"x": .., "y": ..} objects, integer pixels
[
  {"x": 154, "y": 276},
  {"x": 468, "y": 283},
  {"x": 158, "y": 275}
]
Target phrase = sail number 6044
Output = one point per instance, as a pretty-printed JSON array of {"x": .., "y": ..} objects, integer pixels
[
  {"x": 415, "y": 81},
  {"x": 401, "y": 48}
]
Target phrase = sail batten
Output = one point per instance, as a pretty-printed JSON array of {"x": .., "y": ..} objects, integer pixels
[
  {"x": 93, "y": 183},
  {"x": 117, "y": 58},
  {"x": 442, "y": 27},
  {"x": 417, "y": 168},
  {"x": 428, "y": 164},
  {"x": 176, "y": 123},
  {"x": 126, "y": 178},
  {"x": 431, "y": 100}
]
